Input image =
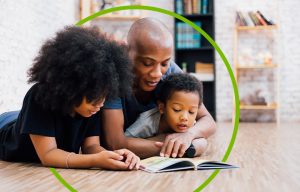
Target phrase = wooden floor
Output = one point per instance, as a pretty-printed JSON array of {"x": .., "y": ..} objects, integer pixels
[{"x": 268, "y": 157}]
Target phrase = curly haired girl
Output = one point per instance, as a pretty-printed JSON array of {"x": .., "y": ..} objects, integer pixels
[{"x": 73, "y": 74}]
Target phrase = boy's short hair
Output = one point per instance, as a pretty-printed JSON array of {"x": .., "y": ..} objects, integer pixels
[
  {"x": 79, "y": 62},
  {"x": 179, "y": 82}
]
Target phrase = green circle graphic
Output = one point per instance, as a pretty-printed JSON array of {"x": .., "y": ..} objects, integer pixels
[{"x": 217, "y": 48}]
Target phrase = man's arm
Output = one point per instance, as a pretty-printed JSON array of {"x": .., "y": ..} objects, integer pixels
[
  {"x": 114, "y": 138},
  {"x": 177, "y": 143}
]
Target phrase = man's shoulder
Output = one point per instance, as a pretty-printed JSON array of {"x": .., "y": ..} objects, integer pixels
[{"x": 173, "y": 69}]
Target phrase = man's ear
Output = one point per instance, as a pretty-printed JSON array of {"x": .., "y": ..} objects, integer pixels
[{"x": 161, "y": 107}]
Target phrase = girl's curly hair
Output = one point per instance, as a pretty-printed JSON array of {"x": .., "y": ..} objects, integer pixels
[{"x": 80, "y": 62}]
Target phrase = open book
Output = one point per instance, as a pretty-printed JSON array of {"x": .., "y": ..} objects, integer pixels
[{"x": 164, "y": 164}]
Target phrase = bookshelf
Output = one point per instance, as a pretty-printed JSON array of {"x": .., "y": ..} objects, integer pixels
[
  {"x": 193, "y": 53},
  {"x": 266, "y": 63}
]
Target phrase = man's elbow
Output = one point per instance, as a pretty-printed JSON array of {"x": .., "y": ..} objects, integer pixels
[{"x": 213, "y": 127}]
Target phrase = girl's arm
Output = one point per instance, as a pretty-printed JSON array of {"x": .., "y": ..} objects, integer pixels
[{"x": 50, "y": 155}]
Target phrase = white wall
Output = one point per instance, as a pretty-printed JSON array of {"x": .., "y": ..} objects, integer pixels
[{"x": 24, "y": 26}]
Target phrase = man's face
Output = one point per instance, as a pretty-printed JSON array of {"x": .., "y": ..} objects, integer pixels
[
  {"x": 87, "y": 109},
  {"x": 180, "y": 111},
  {"x": 151, "y": 62}
]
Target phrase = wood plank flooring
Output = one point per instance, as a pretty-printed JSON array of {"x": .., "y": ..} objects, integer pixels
[{"x": 268, "y": 156}]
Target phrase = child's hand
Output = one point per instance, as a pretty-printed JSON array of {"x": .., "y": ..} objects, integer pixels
[
  {"x": 109, "y": 160},
  {"x": 130, "y": 159},
  {"x": 176, "y": 144}
]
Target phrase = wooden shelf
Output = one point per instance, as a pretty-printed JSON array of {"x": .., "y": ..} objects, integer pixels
[
  {"x": 195, "y": 49},
  {"x": 262, "y": 27},
  {"x": 260, "y": 66},
  {"x": 259, "y": 107},
  {"x": 197, "y": 15},
  {"x": 119, "y": 17}
]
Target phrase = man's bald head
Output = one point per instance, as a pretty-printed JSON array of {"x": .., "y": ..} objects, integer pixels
[{"x": 147, "y": 32}]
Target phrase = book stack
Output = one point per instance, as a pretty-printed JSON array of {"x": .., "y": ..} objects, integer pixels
[
  {"x": 189, "y": 7},
  {"x": 187, "y": 37},
  {"x": 252, "y": 18},
  {"x": 204, "y": 67}
]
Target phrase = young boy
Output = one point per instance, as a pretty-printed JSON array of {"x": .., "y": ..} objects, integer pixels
[
  {"x": 178, "y": 101},
  {"x": 73, "y": 74}
]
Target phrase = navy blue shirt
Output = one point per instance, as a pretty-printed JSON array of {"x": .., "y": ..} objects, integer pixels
[
  {"x": 69, "y": 132},
  {"x": 131, "y": 106}
]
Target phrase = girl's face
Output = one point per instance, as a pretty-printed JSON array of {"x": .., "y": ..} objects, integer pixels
[
  {"x": 87, "y": 109},
  {"x": 150, "y": 64},
  {"x": 180, "y": 110}
]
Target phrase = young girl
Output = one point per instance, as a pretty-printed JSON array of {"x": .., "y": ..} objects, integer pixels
[
  {"x": 73, "y": 74},
  {"x": 179, "y": 98}
]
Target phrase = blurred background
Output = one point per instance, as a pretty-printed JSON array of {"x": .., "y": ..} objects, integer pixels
[{"x": 259, "y": 39}]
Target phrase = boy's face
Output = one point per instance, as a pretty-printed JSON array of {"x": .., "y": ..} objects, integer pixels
[
  {"x": 87, "y": 109},
  {"x": 180, "y": 110}
]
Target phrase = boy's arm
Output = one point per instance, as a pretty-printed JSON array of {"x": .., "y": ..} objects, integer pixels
[{"x": 177, "y": 143}]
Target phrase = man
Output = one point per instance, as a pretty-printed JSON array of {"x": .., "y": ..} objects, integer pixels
[{"x": 150, "y": 48}]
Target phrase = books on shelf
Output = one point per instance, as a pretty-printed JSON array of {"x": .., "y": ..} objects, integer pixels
[
  {"x": 204, "y": 68},
  {"x": 190, "y": 7},
  {"x": 252, "y": 18},
  {"x": 165, "y": 164},
  {"x": 187, "y": 37}
]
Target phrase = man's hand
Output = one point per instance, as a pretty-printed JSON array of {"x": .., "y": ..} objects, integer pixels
[{"x": 176, "y": 144}]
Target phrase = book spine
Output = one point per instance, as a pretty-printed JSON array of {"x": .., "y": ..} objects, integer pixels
[
  {"x": 268, "y": 21},
  {"x": 243, "y": 21},
  {"x": 238, "y": 19},
  {"x": 199, "y": 6},
  {"x": 194, "y": 6},
  {"x": 253, "y": 18},
  {"x": 189, "y": 8},
  {"x": 198, "y": 35},
  {"x": 204, "y": 6},
  {"x": 262, "y": 22},
  {"x": 179, "y": 7},
  {"x": 248, "y": 20}
]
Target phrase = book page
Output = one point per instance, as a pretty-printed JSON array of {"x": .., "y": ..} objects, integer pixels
[
  {"x": 154, "y": 164},
  {"x": 196, "y": 160}
]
